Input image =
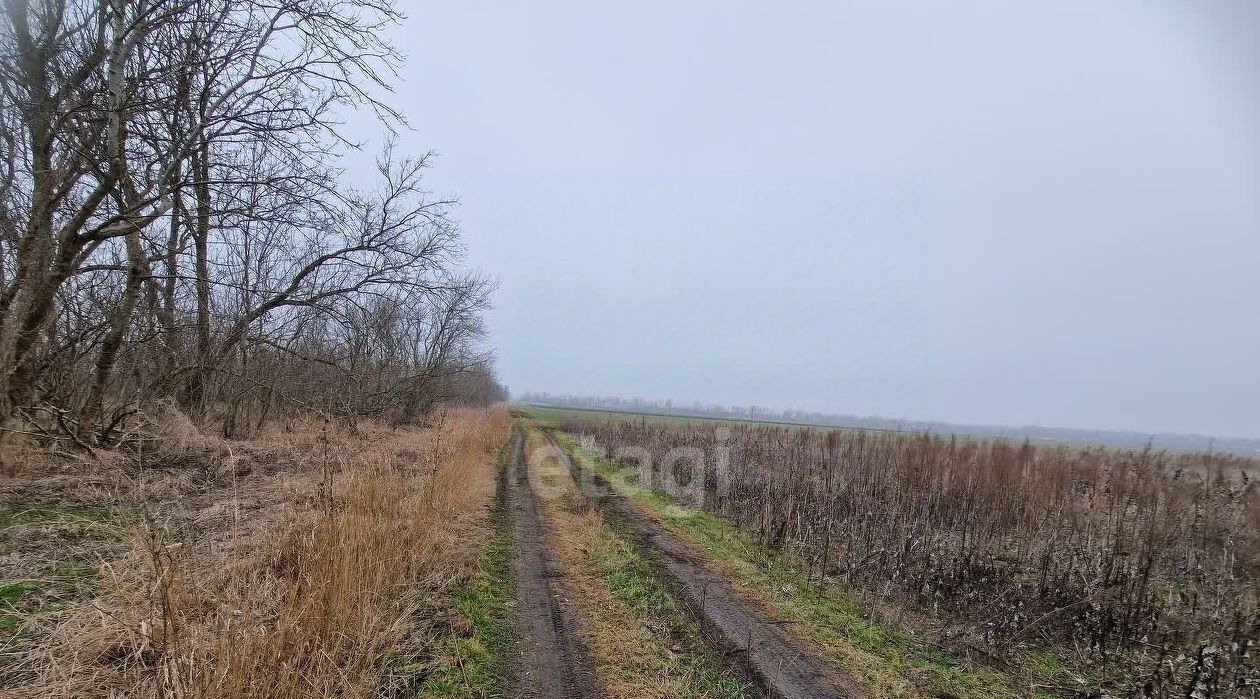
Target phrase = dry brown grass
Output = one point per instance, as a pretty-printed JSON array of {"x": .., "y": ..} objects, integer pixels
[{"x": 286, "y": 566}]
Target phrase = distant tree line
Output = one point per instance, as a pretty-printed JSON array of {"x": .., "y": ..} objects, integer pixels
[
  {"x": 1245, "y": 446},
  {"x": 173, "y": 223}
]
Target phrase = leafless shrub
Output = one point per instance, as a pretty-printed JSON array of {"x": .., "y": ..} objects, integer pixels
[
  {"x": 173, "y": 225},
  {"x": 1133, "y": 562}
]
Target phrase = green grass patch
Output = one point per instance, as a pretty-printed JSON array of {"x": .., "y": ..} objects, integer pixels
[
  {"x": 74, "y": 570},
  {"x": 477, "y": 664},
  {"x": 12, "y": 596},
  {"x": 56, "y": 549},
  {"x": 889, "y": 660},
  {"x": 679, "y": 641},
  {"x": 68, "y": 584},
  {"x": 11, "y": 592}
]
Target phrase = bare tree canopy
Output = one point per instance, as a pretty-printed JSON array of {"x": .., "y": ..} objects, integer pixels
[{"x": 172, "y": 222}]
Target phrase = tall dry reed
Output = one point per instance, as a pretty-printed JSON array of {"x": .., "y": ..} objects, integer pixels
[{"x": 298, "y": 583}]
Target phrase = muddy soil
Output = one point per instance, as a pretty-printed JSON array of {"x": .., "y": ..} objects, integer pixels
[
  {"x": 749, "y": 637},
  {"x": 553, "y": 662}
]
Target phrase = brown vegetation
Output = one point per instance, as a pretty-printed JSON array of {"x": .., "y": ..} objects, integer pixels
[
  {"x": 291, "y": 565},
  {"x": 640, "y": 642},
  {"x": 1141, "y": 568}
]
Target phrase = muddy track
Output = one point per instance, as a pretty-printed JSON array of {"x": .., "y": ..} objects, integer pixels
[
  {"x": 755, "y": 643},
  {"x": 553, "y": 662}
]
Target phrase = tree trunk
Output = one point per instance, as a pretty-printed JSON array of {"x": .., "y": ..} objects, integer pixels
[
  {"x": 119, "y": 321},
  {"x": 196, "y": 396}
]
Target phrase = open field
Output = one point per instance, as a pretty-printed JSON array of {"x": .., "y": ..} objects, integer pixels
[
  {"x": 479, "y": 556},
  {"x": 256, "y": 438},
  {"x": 866, "y": 655},
  {"x": 1051, "y": 570},
  {"x": 554, "y": 415},
  {"x": 1171, "y": 443}
]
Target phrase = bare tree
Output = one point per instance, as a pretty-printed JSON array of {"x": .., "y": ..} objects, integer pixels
[{"x": 171, "y": 219}]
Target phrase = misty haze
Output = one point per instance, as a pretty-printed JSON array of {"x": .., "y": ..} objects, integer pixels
[{"x": 370, "y": 349}]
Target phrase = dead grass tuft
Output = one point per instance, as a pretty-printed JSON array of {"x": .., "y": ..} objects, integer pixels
[{"x": 290, "y": 566}]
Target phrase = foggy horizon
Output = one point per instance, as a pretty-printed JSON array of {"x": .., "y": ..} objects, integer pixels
[
  {"x": 683, "y": 405},
  {"x": 971, "y": 288},
  {"x": 975, "y": 214}
]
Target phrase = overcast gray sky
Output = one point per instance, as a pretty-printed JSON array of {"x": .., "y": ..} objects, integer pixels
[{"x": 999, "y": 212}]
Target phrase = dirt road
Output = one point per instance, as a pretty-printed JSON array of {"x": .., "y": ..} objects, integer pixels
[
  {"x": 553, "y": 662},
  {"x": 779, "y": 663}
]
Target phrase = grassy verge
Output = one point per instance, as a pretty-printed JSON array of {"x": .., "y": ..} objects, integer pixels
[
  {"x": 889, "y": 659},
  {"x": 256, "y": 575},
  {"x": 642, "y": 643},
  {"x": 676, "y": 640},
  {"x": 477, "y": 658},
  {"x": 477, "y": 661}
]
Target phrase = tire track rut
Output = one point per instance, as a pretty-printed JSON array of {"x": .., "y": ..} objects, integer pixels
[
  {"x": 553, "y": 663},
  {"x": 756, "y": 643}
]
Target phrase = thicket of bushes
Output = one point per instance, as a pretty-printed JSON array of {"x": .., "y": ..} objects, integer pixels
[{"x": 174, "y": 223}]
